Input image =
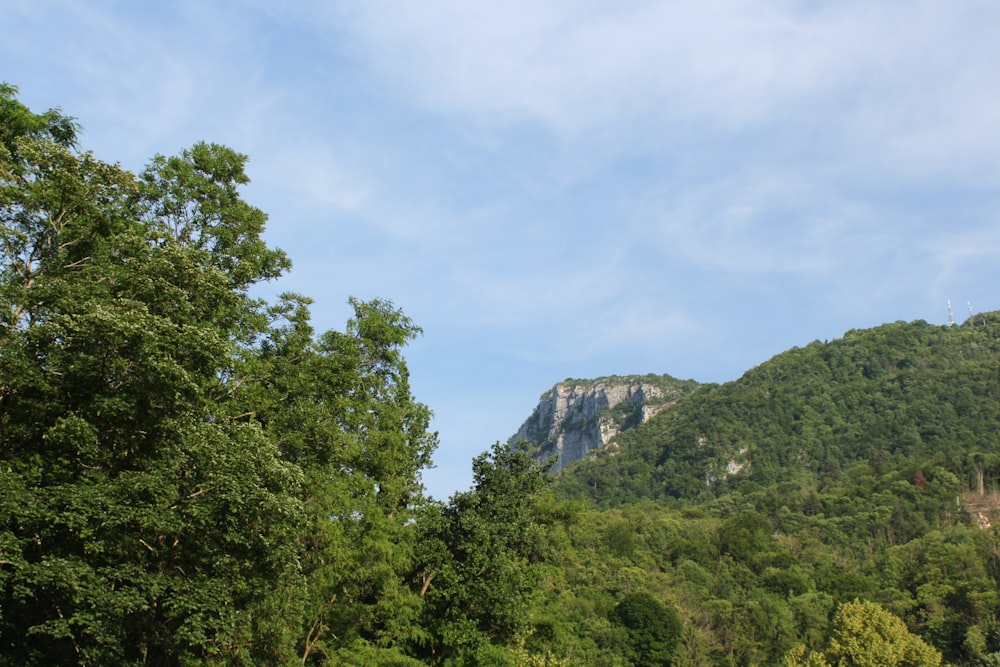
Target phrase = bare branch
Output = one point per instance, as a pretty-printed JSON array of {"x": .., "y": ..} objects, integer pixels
[{"x": 197, "y": 493}]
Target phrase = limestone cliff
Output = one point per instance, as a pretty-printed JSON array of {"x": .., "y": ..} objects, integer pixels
[{"x": 578, "y": 416}]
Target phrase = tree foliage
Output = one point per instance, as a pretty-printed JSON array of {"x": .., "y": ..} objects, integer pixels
[
  {"x": 901, "y": 393},
  {"x": 653, "y": 628},
  {"x": 866, "y": 635},
  {"x": 187, "y": 473},
  {"x": 862, "y": 468},
  {"x": 484, "y": 575}
]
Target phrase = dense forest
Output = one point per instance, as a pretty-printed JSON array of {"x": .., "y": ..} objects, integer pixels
[
  {"x": 192, "y": 475},
  {"x": 861, "y": 470}
]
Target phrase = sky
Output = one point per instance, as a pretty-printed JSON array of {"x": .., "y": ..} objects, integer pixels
[{"x": 560, "y": 189}]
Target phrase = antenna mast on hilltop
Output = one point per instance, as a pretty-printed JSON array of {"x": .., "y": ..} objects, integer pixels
[{"x": 951, "y": 316}]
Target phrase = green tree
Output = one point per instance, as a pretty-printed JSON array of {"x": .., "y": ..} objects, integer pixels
[
  {"x": 187, "y": 474},
  {"x": 654, "y": 629},
  {"x": 141, "y": 523},
  {"x": 866, "y": 635},
  {"x": 340, "y": 408},
  {"x": 478, "y": 591}
]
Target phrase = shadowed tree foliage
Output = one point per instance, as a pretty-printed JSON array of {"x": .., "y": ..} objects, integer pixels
[{"x": 653, "y": 628}]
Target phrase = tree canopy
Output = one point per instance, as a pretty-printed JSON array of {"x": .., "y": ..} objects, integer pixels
[{"x": 187, "y": 473}]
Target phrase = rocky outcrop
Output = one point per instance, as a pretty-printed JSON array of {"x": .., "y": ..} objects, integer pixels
[{"x": 576, "y": 417}]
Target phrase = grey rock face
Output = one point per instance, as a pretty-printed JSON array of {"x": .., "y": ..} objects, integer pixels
[{"x": 577, "y": 417}]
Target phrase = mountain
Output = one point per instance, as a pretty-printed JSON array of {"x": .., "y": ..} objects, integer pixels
[
  {"x": 865, "y": 468},
  {"x": 902, "y": 395},
  {"x": 576, "y": 417}
]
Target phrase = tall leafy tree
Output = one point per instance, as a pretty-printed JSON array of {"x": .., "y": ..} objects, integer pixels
[
  {"x": 479, "y": 587},
  {"x": 140, "y": 523},
  {"x": 187, "y": 474},
  {"x": 339, "y": 406}
]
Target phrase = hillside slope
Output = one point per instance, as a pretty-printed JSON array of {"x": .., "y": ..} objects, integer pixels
[{"x": 898, "y": 394}]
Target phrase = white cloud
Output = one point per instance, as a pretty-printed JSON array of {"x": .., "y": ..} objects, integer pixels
[{"x": 913, "y": 80}]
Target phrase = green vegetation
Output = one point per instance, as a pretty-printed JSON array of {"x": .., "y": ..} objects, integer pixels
[
  {"x": 191, "y": 475},
  {"x": 858, "y": 469},
  {"x": 664, "y": 381},
  {"x": 900, "y": 395},
  {"x": 865, "y": 634}
]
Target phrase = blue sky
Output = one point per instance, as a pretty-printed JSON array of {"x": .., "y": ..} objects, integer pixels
[{"x": 561, "y": 188}]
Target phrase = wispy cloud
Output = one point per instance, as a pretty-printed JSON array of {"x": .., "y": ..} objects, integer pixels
[
  {"x": 733, "y": 60},
  {"x": 761, "y": 221}
]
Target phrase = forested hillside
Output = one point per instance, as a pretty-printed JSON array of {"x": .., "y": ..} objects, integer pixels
[
  {"x": 192, "y": 475},
  {"x": 902, "y": 396},
  {"x": 863, "y": 468}
]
